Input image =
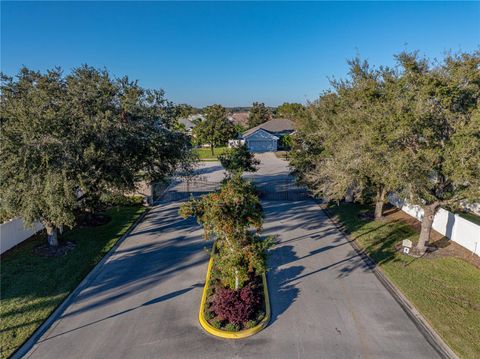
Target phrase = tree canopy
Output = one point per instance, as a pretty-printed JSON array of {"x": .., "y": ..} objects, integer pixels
[
  {"x": 414, "y": 131},
  {"x": 350, "y": 153},
  {"x": 184, "y": 110},
  {"x": 66, "y": 140},
  {"x": 439, "y": 107},
  {"x": 216, "y": 129},
  {"x": 290, "y": 110},
  {"x": 239, "y": 159},
  {"x": 229, "y": 216},
  {"x": 259, "y": 114}
]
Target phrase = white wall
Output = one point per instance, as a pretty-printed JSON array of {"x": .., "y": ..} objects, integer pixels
[
  {"x": 13, "y": 232},
  {"x": 235, "y": 143},
  {"x": 452, "y": 226}
]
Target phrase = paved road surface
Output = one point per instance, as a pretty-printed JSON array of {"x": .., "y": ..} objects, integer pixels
[{"x": 145, "y": 301}]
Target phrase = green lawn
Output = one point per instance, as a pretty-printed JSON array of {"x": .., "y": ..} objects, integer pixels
[
  {"x": 445, "y": 290},
  {"x": 205, "y": 154},
  {"x": 33, "y": 286},
  {"x": 470, "y": 216}
]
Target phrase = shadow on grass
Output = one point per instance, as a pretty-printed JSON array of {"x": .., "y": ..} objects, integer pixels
[
  {"x": 379, "y": 239},
  {"x": 33, "y": 286}
]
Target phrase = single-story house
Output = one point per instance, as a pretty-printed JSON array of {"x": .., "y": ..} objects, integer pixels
[
  {"x": 239, "y": 118},
  {"x": 185, "y": 122},
  {"x": 265, "y": 137},
  {"x": 190, "y": 122}
]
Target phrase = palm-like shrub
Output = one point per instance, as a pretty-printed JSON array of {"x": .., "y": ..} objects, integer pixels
[{"x": 229, "y": 216}]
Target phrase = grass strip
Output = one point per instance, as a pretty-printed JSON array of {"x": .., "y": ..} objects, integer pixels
[
  {"x": 205, "y": 153},
  {"x": 32, "y": 286},
  {"x": 470, "y": 217},
  {"x": 446, "y": 290}
]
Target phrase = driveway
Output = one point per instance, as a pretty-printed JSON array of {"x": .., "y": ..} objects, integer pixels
[{"x": 325, "y": 302}]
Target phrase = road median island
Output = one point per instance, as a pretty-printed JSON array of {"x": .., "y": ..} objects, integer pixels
[
  {"x": 235, "y": 301},
  {"x": 223, "y": 333}
]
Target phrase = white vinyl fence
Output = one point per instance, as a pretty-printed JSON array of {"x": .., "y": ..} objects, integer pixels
[
  {"x": 14, "y": 231},
  {"x": 452, "y": 226}
]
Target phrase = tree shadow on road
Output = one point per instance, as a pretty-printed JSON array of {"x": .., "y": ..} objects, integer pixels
[
  {"x": 282, "y": 293},
  {"x": 136, "y": 268},
  {"x": 150, "y": 302}
]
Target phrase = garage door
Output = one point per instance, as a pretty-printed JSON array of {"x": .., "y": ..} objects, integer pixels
[{"x": 261, "y": 145}]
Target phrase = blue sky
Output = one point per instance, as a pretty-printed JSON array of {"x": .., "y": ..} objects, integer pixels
[{"x": 230, "y": 53}]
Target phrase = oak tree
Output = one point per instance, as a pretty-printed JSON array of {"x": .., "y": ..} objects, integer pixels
[
  {"x": 216, "y": 129},
  {"x": 258, "y": 114},
  {"x": 66, "y": 141},
  {"x": 439, "y": 121}
]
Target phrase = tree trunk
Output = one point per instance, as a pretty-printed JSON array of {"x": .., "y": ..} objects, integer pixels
[
  {"x": 427, "y": 222},
  {"x": 379, "y": 202},
  {"x": 349, "y": 197},
  {"x": 212, "y": 148},
  {"x": 237, "y": 282},
  {"x": 52, "y": 235}
]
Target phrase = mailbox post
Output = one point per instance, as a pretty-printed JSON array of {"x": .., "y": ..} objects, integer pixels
[{"x": 407, "y": 246}]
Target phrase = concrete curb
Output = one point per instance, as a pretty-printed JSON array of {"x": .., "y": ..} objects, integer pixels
[
  {"x": 29, "y": 346},
  {"x": 223, "y": 333},
  {"x": 417, "y": 318}
]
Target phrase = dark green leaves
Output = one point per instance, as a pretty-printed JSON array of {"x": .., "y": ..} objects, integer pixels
[{"x": 68, "y": 140}]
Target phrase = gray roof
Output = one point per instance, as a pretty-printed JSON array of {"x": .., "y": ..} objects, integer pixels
[
  {"x": 273, "y": 126},
  {"x": 197, "y": 116},
  {"x": 186, "y": 122}
]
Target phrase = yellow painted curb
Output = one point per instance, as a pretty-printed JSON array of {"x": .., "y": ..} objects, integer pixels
[{"x": 232, "y": 335}]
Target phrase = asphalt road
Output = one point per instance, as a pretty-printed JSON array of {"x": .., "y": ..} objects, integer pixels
[{"x": 325, "y": 302}]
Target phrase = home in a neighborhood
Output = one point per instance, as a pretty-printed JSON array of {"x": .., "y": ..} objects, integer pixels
[
  {"x": 191, "y": 121},
  {"x": 266, "y": 137},
  {"x": 239, "y": 118},
  {"x": 187, "y": 123}
]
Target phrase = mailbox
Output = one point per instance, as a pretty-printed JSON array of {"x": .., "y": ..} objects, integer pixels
[{"x": 406, "y": 245}]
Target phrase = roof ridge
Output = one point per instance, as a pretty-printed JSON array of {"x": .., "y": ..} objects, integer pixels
[{"x": 262, "y": 126}]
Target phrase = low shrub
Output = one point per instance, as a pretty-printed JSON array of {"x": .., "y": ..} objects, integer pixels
[
  {"x": 216, "y": 323},
  {"x": 232, "y": 327},
  {"x": 209, "y": 315},
  {"x": 237, "y": 306},
  {"x": 113, "y": 199},
  {"x": 260, "y": 316},
  {"x": 250, "y": 324},
  {"x": 210, "y": 291}
]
